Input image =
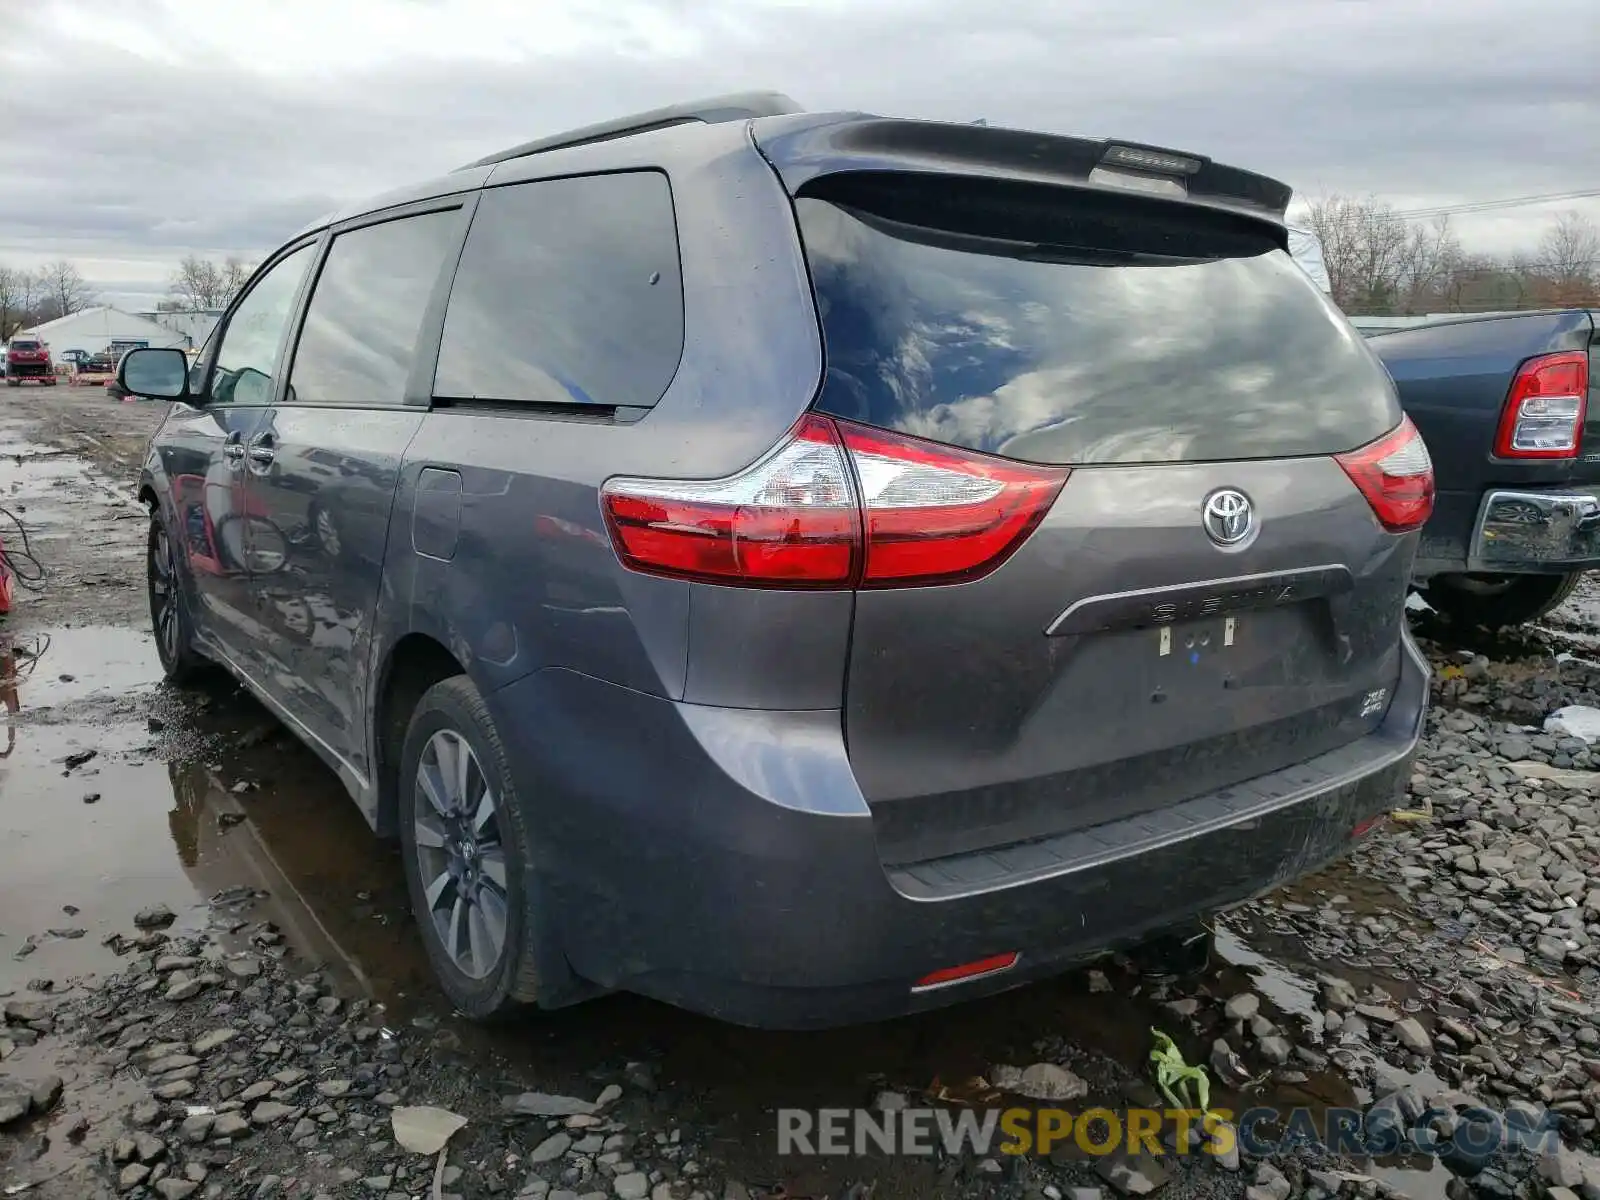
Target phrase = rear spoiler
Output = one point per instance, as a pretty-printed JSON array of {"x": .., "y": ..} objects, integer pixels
[{"x": 803, "y": 147}]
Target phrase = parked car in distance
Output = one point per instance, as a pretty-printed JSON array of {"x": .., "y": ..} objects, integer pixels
[
  {"x": 761, "y": 559},
  {"x": 29, "y": 358},
  {"x": 1508, "y": 408}
]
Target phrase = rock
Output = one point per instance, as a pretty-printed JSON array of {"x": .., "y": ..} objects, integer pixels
[
  {"x": 176, "y": 1090},
  {"x": 608, "y": 1096},
  {"x": 544, "y": 1104},
  {"x": 1272, "y": 1183},
  {"x": 424, "y": 1129},
  {"x": 1041, "y": 1081},
  {"x": 1275, "y": 1049},
  {"x": 157, "y": 916},
  {"x": 246, "y": 966},
  {"x": 144, "y": 1113},
  {"x": 633, "y": 1186},
  {"x": 46, "y": 1093},
  {"x": 176, "y": 1189},
  {"x": 217, "y": 1038},
  {"x": 269, "y": 1112},
  {"x": 1413, "y": 1036},
  {"x": 15, "y": 1101},
  {"x": 27, "y": 1012},
  {"x": 1242, "y": 1007},
  {"x": 197, "y": 1128},
  {"x": 1132, "y": 1175},
  {"x": 334, "y": 1089},
  {"x": 132, "y": 1176},
  {"x": 1562, "y": 1167},
  {"x": 552, "y": 1148},
  {"x": 185, "y": 989},
  {"x": 1224, "y": 1135},
  {"x": 231, "y": 1126}
]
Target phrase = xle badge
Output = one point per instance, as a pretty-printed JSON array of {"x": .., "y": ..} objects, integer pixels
[{"x": 1372, "y": 702}]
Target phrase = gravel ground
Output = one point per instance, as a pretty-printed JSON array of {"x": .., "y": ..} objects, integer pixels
[{"x": 244, "y": 1016}]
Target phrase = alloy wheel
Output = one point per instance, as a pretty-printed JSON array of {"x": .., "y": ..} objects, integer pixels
[
  {"x": 460, "y": 854},
  {"x": 163, "y": 601}
]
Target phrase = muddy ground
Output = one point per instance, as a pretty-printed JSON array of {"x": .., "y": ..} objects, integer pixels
[{"x": 254, "y": 1034}]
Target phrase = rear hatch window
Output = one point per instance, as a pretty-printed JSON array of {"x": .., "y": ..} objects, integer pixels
[
  {"x": 1073, "y": 327},
  {"x": 24, "y": 345}
]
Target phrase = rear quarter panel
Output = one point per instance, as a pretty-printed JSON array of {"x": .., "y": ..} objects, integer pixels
[{"x": 533, "y": 581}]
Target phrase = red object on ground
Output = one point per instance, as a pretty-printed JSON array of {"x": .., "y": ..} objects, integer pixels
[{"x": 5, "y": 582}]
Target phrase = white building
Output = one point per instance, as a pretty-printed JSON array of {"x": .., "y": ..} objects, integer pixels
[
  {"x": 102, "y": 327},
  {"x": 196, "y": 324}
]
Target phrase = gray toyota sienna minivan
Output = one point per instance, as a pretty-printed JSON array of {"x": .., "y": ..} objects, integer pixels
[{"x": 804, "y": 567}]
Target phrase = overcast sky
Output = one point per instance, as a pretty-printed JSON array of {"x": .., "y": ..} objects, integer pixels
[{"x": 138, "y": 130}]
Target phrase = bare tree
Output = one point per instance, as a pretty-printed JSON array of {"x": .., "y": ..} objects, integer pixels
[
  {"x": 1365, "y": 245},
  {"x": 64, "y": 290},
  {"x": 201, "y": 283},
  {"x": 1569, "y": 257},
  {"x": 235, "y": 274},
  {"x": 12, "y": 312}
]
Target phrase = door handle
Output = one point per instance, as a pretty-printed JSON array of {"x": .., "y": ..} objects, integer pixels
[
  {"x": 233, "y": 452},
  {"x": 261, "y": 452}
]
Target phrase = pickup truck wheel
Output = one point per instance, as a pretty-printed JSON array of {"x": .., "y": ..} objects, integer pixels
[{"x": 1496, "y": 601}]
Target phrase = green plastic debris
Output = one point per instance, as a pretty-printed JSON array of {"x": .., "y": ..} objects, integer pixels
[{"x": 1183, "y": 1086}]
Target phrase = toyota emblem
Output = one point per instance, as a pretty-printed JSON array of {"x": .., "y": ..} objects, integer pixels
[{"x": 1228, "y": 517}]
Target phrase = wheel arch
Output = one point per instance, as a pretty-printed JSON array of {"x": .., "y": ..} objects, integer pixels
[{"x": 414, "y": 663}]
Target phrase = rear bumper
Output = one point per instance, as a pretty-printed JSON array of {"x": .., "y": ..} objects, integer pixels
[
  {"x": 1533, "y": 530},
  {"x": 724, "y": 859}
]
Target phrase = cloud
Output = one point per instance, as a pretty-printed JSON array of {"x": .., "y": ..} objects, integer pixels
[{"x": 224, "y": 128}]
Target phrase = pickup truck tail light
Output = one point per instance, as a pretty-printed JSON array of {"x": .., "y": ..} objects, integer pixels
[
  {"x": 834, "y": 505},
  {"x": 1395, "y": 474},
  {"x": 1544, "y": 412}
]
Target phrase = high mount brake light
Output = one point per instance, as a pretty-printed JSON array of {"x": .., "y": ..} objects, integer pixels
[
  {"x": 1545, "y": 408},
  {"x": 1395, "y": 474},
  {"x": 835, "y": 505}
]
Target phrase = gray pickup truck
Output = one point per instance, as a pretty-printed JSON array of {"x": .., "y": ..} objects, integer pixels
[{"x": 1507, "y": 406}]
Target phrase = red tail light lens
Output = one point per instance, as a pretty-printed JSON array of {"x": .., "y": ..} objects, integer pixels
[
  {"x": 790, "y": 520},
  {"x": 1544, "y": 412},
  {"x": 938, "y": 515},
  {"x": 1395, "y": 474},
  {"x": 836, "y": 505}
]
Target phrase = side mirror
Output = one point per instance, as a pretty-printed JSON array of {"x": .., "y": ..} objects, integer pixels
[{"x": 160, "y": 374}]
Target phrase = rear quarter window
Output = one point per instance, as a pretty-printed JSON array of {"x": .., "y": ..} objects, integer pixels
[
  {"x": 1013, "y": 324},
  {"x": 569, "y": 291}
]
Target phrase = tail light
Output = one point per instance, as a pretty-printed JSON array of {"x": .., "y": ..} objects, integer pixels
[
  {"x": 1544, "y": 412},
  {"x": 1395, "y": 474},
  {"x": 835, "y": 505}
]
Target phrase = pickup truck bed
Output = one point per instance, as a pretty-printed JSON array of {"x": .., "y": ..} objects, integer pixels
[{"x": 1513, "y": 528}]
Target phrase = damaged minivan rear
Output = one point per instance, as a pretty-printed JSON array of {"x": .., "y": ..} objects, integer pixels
[{"x": 851, "y": 565}]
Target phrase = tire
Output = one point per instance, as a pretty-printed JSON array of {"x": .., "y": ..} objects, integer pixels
[
  {"x": 471, "y": 893},
  {"x": 16, "y": 383},
  {"x": 1497, "y": 601},
  {"x": 169, "y": 619}
]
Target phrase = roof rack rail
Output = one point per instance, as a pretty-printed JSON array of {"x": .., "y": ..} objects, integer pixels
[{"x": 739, "y": 106}]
